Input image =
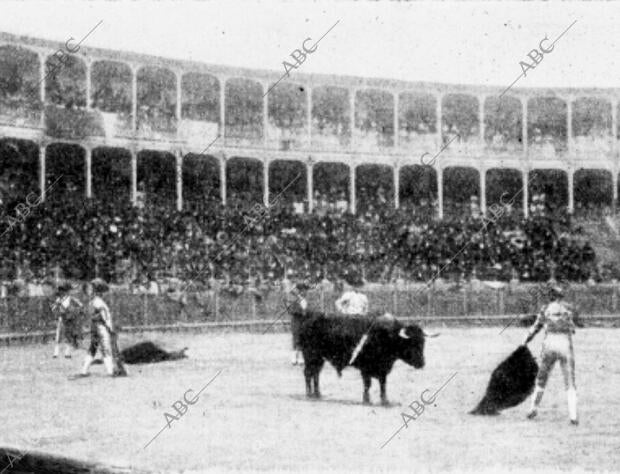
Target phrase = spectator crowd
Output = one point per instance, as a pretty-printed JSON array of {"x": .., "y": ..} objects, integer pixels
[{"x": 240, "y": 243}]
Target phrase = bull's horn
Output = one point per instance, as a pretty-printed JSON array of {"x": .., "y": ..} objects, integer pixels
[
  {"x": 403, "y": 333},
  {"x": 433, "y": 334}
]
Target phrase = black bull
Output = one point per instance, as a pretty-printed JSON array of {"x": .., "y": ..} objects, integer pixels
[{"x": 334, "y": 338}]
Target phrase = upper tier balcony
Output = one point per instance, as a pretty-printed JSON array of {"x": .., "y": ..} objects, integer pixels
[{"x": 75, "y": 96}]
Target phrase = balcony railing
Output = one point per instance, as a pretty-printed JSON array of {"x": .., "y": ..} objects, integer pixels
[
  {"x": 372, "y": 140},
  {"x": 156, "y": 124},
  {"x": 500, "y": 144},
  {"x": 287, "y": 138},
  {"x": 547, "y": 148},
  {"x": 152, "y": 123},
  {"x": 244, "y": 135},
  {"x": 197, "y": 132},
  {"x": 75, "y": 124},
  {"x": 117, "y": 125},
  {"x": 20, "y": 112},
  {"x": 587, "y": 146},
  {"x": 423, "y": 142},
  {"x": 327, "y": 141}
]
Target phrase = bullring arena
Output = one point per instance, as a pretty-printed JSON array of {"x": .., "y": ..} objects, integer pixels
[
  {"x": 188, "y": 206},
  {"x": 254, "y": 415}
]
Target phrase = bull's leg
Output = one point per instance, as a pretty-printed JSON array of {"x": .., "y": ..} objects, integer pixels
[
  {"x": 382, "y": 383},
  {"x": 367, "y": 381},
  {"x": 308, "y": 375},
  {"x": 312, "y": 368},
  {"x": 317, "y": 392}
]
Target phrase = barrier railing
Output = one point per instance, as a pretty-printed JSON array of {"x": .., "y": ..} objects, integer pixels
[{"x": 19, "y": 315}]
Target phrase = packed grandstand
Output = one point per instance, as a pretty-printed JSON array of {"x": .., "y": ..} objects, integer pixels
[
  {"x": 94, "y": 237},
  {"x": 131, "y": 194}
]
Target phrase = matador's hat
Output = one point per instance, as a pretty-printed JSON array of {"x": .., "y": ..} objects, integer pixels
[
  {"x": 556, "y": 291},
  {"x": 64, "y": 287}
]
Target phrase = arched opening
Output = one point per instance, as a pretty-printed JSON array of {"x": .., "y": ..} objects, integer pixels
[
  {"x": 548, "y": 191},
  {"x": 201, "y": 181},
  {"x": 459, "y": 117},
  {"x": 287, "y": 109},
  {"x": 374, "y": 119},
  {"x": 157, "y": 101},
  {"x": 374, "y": 187},
  {"x": 331, "y": 127},
  {"x": 111, "y": 95},
  {"x": 461, "y": 191},
  {"x": 331, "y": 186},
  {"x": 418, "y": 190},
  {"x": 593, "y": 192},
  {"x": 20, "y": 103},
  {"x": 19, "y": 173},
  {"x": 417, "y": 120},
  {"x": 287, "y": 184},
  {"x": 547, "y": 125},
  {"x": 200, "y": 107},
  {"x": 591, "y": 125},
  {"x": 244, "y": 182},
  {"x": 65, "y": 82},
  {"x": 504, "y": 191},
  {"x": 65, "y": 169},
  {"x": 111, "y": 175},
  {"x": 156, "y": 179},
  {"x": 65, "y": 92},
  {"x": 200, "y": 97},
  {"x": 503, "y": 123},
  {"x": 244, "y": 111}
]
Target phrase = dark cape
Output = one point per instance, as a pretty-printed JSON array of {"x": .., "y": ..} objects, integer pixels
[{"x": 511, "y": 383}]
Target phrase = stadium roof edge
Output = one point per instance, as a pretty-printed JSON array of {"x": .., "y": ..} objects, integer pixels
[{"x": 311, "y": 79}]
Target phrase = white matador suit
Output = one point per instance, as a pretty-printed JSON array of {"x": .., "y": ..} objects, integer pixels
[
  {"x": 352, "y": 303},
  {"x": 103, "y": 338},
  {"x": 559, "y": 320}
]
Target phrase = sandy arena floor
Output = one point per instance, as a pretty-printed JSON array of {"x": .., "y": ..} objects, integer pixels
[{"x": 254, "y": 415}]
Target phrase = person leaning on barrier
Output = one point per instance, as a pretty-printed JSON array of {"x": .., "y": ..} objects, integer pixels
[
  {"x": 296, "y": 304},
  {"x": 559, "y": 319},
  {"x": 353, "y": 302},
  {"x": 177, "y": 292}
]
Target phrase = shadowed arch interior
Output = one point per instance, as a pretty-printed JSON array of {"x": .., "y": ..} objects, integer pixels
[
  {"x": 461, "y": 186},
  {"x": 201, "y": 180},
  {"x": 287, "y": 182},
  {"x": 157, "y": 177},
  {"x": 111, "y": 174},
  {"x": 244, "y": 180}
]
